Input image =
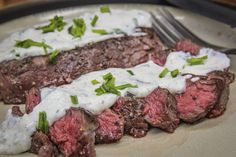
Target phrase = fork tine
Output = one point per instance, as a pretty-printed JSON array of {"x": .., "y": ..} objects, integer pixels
[{"x": 162, "y": 33}]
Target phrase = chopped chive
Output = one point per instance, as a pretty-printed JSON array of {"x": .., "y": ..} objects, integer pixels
[
  {"x": 53, "y": 57},
  {"x": 29, "y": 43},
  {"x": 174, "y": 73},
  {"x": 110, "y": 87},
  {"x": 74, "y": 99},
  {"x": 100, "y": 31},
  {"x": 121, "y": 87},
  {"x": 94, "y": 21},
  {"x": 197, "y": 61},
  {"x": 78, "y": 28},
  {"x": 108, "y": 76},
  {"x": 118, "y": 31},
  {"x": 94, "y": 82},
  {"x": 164, "y": 72},
  {"x": 130, "y": 72},
  {"x": 105, "y": 9},
  {"x": 42, "y": 122}
]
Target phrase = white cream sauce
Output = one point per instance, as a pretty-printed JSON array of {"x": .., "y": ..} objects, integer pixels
[
  {"x": 56, "y": 100},
  {"x": 127, "y": 21}
]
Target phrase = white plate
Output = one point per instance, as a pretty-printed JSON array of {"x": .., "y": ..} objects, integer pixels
[{"x": 211, "y": 137}]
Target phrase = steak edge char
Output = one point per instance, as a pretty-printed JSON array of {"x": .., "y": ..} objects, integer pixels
[
  {"x": 19, "y": 76},
  {"x": 74, "y": 134},
  {"x": 131, "y": 109},
  {"x": 110, "y": 127},
  {"x": 160, "y": 110}
]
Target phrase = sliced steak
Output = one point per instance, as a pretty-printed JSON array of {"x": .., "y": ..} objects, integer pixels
[
  {"x": 160, "y": 110},
  {"x": 131, "y": 109},
  {"x": 33, "y": 98},
  {"x": 187, "y": 46},
  {"x": 110, "y": 127},
  {"x": 197, "y": 100},
  {"x": 41, "y": 145},
  {"x": 224, "y": 80},
  {"x": 15, "y": 111},
  {"x": 19, "y": 76},
  {"x": 74, "y": 134}
]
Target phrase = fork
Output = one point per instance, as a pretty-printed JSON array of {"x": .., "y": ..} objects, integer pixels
[{"x": 171, "y": 31}]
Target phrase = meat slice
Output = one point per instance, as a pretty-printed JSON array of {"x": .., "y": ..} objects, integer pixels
[
  {"x": 197, "y": 100},
  {"x": 110, "y": 127},
  {"x": 33, "y": 98},
  {"x": 131, "y": 109},
  {"x": 41, "y": 145},
  {"x": 74, "y": 134},
  {"x": 187, "y": 45},
  {"x": 160, "y": 110},
  {"x": 19, "y": 76},
  {"x": 224, "y": 79},
  {"x": 15, "y": 111}
]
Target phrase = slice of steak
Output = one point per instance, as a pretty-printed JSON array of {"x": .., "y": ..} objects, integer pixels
[
  {"x": 131, "y": 109},
  {"x": 41, "y": 145},
  {"x": 110, "y": 127},
  {"x": 33, "y": 98},
  {"x": 198, "y": 99},
  {"x": 187, "y": 45},
  {"x": 224, "y": 79},
  {"x": 160, "y": 110},
  {"x": 15, "y": 111},
  {"x": 19, "y": 76},
  {"x": 74, "y": 134}
]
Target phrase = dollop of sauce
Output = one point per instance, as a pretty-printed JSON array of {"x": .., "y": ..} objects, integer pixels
[
  {"x": 126, "y": 21},
  {"x": 56, "y": 100}
]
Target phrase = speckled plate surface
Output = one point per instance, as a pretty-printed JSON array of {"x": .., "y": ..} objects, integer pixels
[{"x": 210, "y": 137}]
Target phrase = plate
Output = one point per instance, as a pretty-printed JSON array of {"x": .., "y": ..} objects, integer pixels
[{"x": 210, "y": 137}]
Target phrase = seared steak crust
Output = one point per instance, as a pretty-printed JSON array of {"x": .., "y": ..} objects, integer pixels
[
  {"x": 131, "y": 109},
  {"x": 19, "y": 76},
  {"x": 160, "y": 110}
]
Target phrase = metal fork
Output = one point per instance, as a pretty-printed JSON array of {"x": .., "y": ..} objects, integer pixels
[{"x": 171, "y": 31}]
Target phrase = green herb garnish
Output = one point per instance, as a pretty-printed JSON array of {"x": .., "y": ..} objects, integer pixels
[
  {"x": 118, "y": 31},
  {"x": 94, "y": 82},
  {"x": 197, "y": 61},
  {"x": 43, "y": 122},
  {"x": 105, "y": 9},
  {"x": 29, "y": 43},
  {"x": 78, "y": 29},
  {"x": 163, "y": 73},
  {"x": 53, "y": 57},
  {"x": 74, "y": 99},
  {"x": 110, "y": 87},
  {"x": 174, "y": 73},
  {"x": 94, "y": 21},
  {"x": 130, "y": 72},
  {"x": 100, "y": 31},
  {"x": 56, "y": 23}
]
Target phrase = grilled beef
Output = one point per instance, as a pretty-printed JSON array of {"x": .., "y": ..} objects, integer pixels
[
  {"x": 131, "y": 109},
  {"x": 74, "y": 134},
  {"x": 187, "y": 46},
  {"x": 19, "y": 76},
  {"x": 15, "y": 111},
  {"x": 110, "y": 127},
  {"x": 160, "y": 110},
  {"x": 41, "y": 145},
  {"x": 33, "y": 98}
]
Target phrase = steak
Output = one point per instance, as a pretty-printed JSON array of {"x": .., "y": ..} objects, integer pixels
[
  {"x": 187, "y": 45},
  {"x": 131, "y": 109},
  {"x": 160, "y": 110},
  {"x": 19, "y": 76},
  {"x": 224, "y": 80},
  {"x": 74, "y": 134},
  {"x": 198, "y": 99},
  {"x": 110, "y": 127},
  {"x": 33, "y": 98},
  {"x": 41, "y": 145},
  {"x": 15, "y": 111}
]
